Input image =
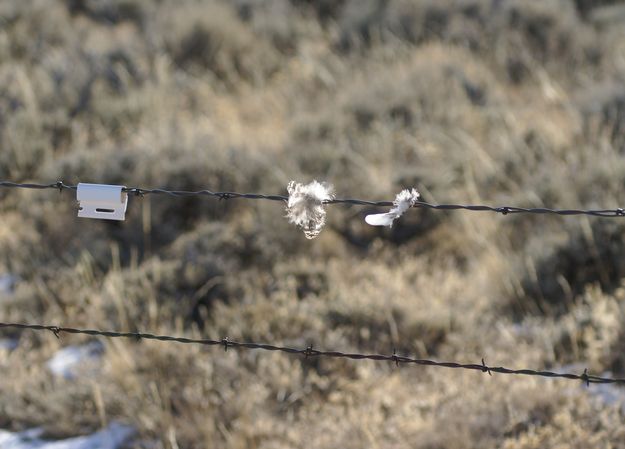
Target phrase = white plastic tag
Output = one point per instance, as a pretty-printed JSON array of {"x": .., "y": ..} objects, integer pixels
[{"x": 102, "y": 201}]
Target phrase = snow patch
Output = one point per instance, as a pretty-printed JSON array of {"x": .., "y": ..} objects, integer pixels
[
  {"x": 9, "y": 344},
  {"x": 7, "y": 283},
  {"x": 112, "y": 437},
  {"x": 609, "y": 394},
  {"x": 66, "y": 361}
]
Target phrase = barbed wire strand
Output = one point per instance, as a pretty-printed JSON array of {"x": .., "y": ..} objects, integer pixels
[
  {"x": 504, "y": 210},
  {"x": 311, "y": 352}
]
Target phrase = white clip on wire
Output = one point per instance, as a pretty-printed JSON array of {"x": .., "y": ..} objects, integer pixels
[{"x": 101, "y": 201}]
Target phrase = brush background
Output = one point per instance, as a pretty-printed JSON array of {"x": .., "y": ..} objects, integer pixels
[{"x": 470, "y": 101}]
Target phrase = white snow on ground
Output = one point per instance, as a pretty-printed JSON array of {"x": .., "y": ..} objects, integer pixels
[
  {"x": 110, "y": 438},
  {"x": 66, "y": 361},
  {"x": 7, "y": 283},
  {"x": 609, "y": 394},
  {"x": 8, "y": 344}
]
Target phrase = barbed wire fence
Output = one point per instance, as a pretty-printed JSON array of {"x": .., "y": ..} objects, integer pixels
[
  {"x": 311, "y": 352},
  {"x": 504, "y": 210}
]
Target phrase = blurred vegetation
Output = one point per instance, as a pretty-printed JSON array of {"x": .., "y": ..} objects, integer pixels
[{"x": 503, "y": 102}]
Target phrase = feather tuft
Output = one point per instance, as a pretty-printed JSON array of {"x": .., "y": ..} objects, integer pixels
[
  {"x": 403, "y": 201},
  {"x": 305, "y": 207}
]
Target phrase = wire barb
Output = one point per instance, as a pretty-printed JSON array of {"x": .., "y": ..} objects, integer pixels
[
  {"x": 136, "y": 192},
  {"x": 395, "y": 358},
  {"x": 56, "y": 331},
  {"x": 504, "y": 210},
  {"x": 485, "y": 368},
  {"x": 309, "y": 351}
]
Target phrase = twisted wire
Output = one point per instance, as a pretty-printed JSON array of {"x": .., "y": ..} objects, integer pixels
[
  {"x": 311, "y": 352},
  {"x": 504, "y": 210}
]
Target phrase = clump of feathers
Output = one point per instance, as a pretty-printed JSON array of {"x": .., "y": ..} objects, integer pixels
[
  {"x": 403, "y": 201},
  {"x": 305, "y": 207}
]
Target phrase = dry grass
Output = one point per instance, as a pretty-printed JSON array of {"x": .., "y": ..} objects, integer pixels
[{"x": 467, "y": 101}]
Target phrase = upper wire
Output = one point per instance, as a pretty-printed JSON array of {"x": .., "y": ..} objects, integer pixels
[{"x": 504, "y": 210}]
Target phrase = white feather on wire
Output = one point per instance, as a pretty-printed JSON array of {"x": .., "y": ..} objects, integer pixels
[
  {"x": 403, "y": 201},
  {"x": 305, "y": 207}
]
